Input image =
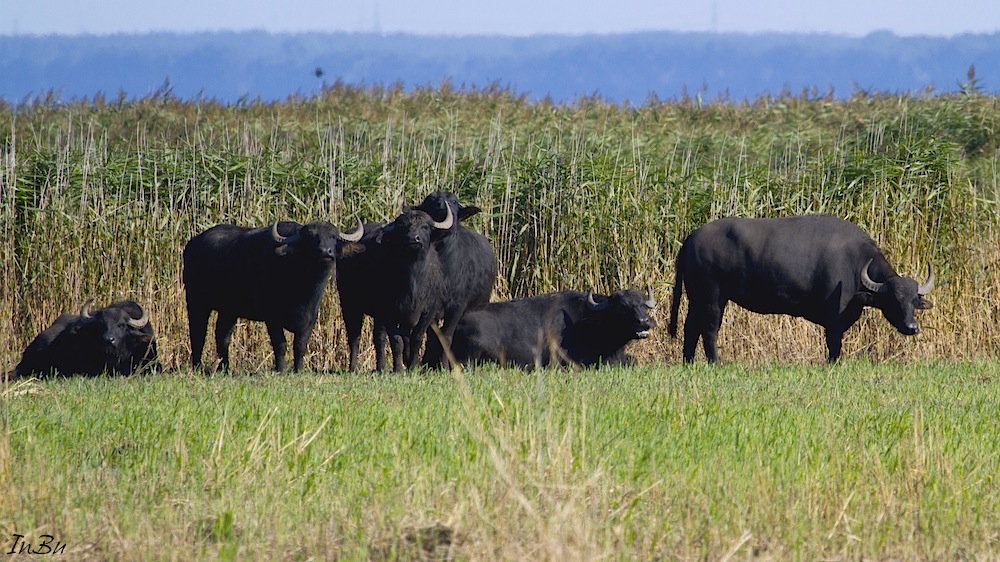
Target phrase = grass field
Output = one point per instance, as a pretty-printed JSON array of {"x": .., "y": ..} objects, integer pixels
[
  {"x": 890, "y": 455},
  {"x": 856, "y": 461}
]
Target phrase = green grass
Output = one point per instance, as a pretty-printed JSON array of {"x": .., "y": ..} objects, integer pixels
[
  {"x": 855, "y": 461},
  {"x": 890, "y": 455}
]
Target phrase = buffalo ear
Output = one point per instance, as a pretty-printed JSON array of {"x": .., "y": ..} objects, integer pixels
[
  {"x": 351, "y": 249},
  {"x": 923, "y": 304},
  {"x": 466, "y": 212},
  {"x": 283, "y": 250}
]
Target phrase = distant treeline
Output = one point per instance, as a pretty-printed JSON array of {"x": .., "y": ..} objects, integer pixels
[{"x": 632, "y": 68}]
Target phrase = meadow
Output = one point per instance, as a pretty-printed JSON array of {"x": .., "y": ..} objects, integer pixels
[{"x": 773, "y": 455}]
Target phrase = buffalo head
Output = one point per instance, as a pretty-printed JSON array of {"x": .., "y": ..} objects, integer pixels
[
  {"x": 436, "y": 204},
  {"x": 625, "y": 312},
  {"x": 413, "y": 228},
  {"x": 111, "y": 330},
  {"x": 320, "y": 240},
  {"x": 898, "y": 297}
]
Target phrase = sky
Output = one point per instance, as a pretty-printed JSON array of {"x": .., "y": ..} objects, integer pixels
[{"x": 504, "y": 17}]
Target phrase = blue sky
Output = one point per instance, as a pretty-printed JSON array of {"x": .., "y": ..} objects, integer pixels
[{"x": 507, "y": 17}]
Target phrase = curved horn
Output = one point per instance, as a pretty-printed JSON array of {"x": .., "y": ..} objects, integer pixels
[
  {"x": 650, "y": 301},
  {"x": 85, "y": 310},
  {"x": 141, "y": 321},
  {"x": 354, "y": 235},
  {"x": 926, "y": 286},
  {"x": 867, "y": 281},
  {"x": 277, "y": 237},
  {"x": 593, "y": 304},
  {"x": 449, "y": 219}
]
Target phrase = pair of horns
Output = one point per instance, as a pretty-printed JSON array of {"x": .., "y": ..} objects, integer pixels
[
  {"x": 594, "y": 305},
  {"x": 352, "y": 236},
  {"x": 139, "y": 322},
  {"x": 874, "y": 286},
  {"x": 449, "y": 220}
]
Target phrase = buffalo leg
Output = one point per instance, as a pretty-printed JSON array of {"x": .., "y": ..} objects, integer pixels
[
  {"x": 379, "y": 338},
  {"x": 416, "y": 339},
  {"x": 834, "y": 342},
  {"x": 198, "y": 330},
  {"x": 705, "y": 308},
  {"x": 692, "y": 331},
  {"x": 438, "y": 347},
  {"x": 710, "y": 335},
  {"x": 353, "y": 320},
  {"x": 279, "y": 344},
  {"x": 836, "y": 327},
  {"x": 299, "y": 347},
  {"x": 224, "y": 324},
  {"x": 396, "y": 346}
]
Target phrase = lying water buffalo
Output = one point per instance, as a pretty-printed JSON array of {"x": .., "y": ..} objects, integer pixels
[
  {"x": 274, "y": 274},
  {"x": 118, "y": 339},
  {"x": 468, "y": 263},
  {"x": 569, "y": 327},
  {"x": 818, "y": 267}
]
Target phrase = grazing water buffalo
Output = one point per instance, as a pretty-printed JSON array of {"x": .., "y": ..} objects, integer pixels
[
  {"x": 274, "y": 274},
  {"x": 117, "y": 339},
  {"x": 818, "y": 267},
  {"x": 569, "y": 327},
  {"x": 468, "y": 263}
]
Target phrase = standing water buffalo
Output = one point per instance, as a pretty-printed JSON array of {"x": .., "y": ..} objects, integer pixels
[
  {"x": 361, "y": 285},
  {"x": 117, "y": 339},
  {"x": 398, "y": 281},
  {"x": 569, "y": 327},
  {"x": 818, "y": 267},
  {"x": 274, "y": 275},
  {"x": 413, "y": 282},
  {"x": 468, "y": 263}
]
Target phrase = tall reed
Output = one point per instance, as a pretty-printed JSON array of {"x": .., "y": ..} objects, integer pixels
[{"x": 99, "y": 197}]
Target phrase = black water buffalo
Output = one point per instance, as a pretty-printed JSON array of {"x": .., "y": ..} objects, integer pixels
[
  {"x": 398, "y": 281},
  {"x": 274, "y": 274},
  {"x": 468, "y": 263},
  {"x": 569, "y": 327},
  {"x": 818, "y": 267},
  {"x": 362, "y": 286},
  {"x": 413, "y": 282},
  {"x": 117, "y": 339}
]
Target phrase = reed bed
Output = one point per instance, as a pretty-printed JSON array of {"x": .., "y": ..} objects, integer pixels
[{"x": 99, "y": 197}]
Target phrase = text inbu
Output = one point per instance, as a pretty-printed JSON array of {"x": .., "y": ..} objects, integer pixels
[{"x": 48, "y": 545}]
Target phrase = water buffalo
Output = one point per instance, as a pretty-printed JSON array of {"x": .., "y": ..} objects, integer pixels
[
  {"x": 569, "y": 327},
  {"x": 274, "y": 274},
  {"x": 361, "y": 285},
  {"x": 398, "y": 281},
  {"x": 413, "y": 282},
  {"x": 818, "y": 267},
  {"x": 468, "y": 263},
  {"x": 116, "y": 339}
]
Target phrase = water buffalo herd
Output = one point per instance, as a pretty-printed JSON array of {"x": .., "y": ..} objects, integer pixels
[{"x": 427, "y": 276}]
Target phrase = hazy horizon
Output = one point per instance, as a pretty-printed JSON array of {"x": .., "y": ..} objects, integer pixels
[{"x": 514, "y": 18}]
